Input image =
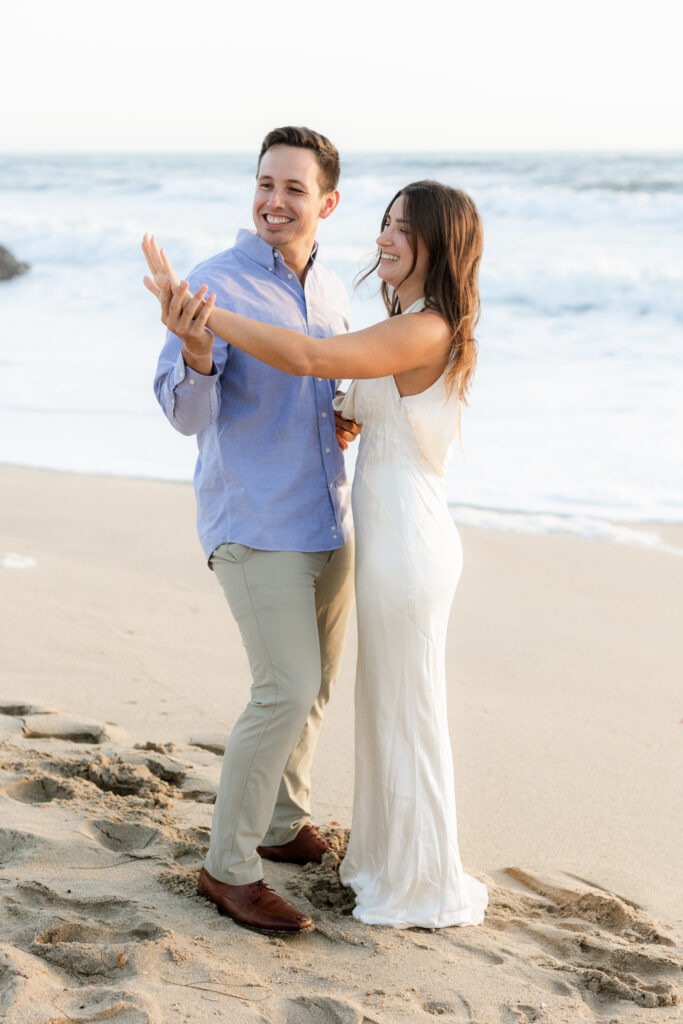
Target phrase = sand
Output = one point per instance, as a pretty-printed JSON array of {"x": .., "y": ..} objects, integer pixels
[{"x": 121, "y": 675}]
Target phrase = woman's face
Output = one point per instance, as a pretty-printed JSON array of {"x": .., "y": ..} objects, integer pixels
[{"x": 397, "y": 254}]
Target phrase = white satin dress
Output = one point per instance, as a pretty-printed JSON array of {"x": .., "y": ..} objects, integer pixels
[{"x": 403, "y": 861}]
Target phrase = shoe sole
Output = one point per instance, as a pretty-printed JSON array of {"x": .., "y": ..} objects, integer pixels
[{"x": 254, "y": 927}]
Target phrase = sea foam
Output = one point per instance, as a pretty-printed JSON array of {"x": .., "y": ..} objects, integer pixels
[{"x": 575, "y": 407}]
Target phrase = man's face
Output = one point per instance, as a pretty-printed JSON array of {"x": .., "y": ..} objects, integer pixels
[{"x": 288, "y": 201}]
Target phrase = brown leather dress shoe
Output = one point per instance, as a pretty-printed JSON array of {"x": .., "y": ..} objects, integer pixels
[
  {"x": 254, "y": 905},
  {"x": 308, "y": 845}
]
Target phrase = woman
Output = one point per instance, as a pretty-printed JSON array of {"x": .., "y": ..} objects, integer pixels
[{"x": 410, "y": 374}]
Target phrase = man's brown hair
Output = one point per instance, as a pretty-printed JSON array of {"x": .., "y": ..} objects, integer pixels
[{"x": 306, "y": 138}]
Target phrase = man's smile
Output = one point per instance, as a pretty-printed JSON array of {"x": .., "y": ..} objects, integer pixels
[{"x": 272, "y": 219}]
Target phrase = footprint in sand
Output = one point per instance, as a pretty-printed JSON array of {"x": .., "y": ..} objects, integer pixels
[
  {"x": 186, "y": 847},
  {"x": 320, "y": 1010},
  {"x": 214, "y": 742},
  {"x": 16, "y": 846},
  {"x": 94, "y": 938},
  {"x": 440, "y": 1008},
  {"x": 38, "y": 722},
  {"x": 31, "y": 991},
  {"x": 109, "y": 775},
  {"x": 61, "y": 945},
  {"x": 188, "y": 854},
  {"x": 596, "y": 905},
  {"x": 112, "y": 775},
  {"x": 165, "y": 768},
  {"x": 521, "y": 1014},
  {"x": 120, "y": 835},
  {"x": 156, "y": 779},
  {"x": 111, "y": 1005},
  {"x": 27, "y": 986},
  {"x": 19, "y": 708},
  {"x": 63, "y": 727},
  {"x": 192, "y": 782},
  {"x": 607, "y": 946},
  {"x": 39, "y": 790},
  {"x": 95, "y": 949},
  {"x": 36, "y": 896}
]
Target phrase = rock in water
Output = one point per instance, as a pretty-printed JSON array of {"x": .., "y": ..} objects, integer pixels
[{"x": 9, "y": 267}]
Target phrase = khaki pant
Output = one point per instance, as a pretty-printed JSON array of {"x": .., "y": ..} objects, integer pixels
[{"x": 292, "y": 609}]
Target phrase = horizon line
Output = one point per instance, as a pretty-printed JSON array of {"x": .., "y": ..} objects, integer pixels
[{"x": 614, "y": 151}]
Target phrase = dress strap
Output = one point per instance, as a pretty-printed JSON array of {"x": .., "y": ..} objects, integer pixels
[{"x": 416, "y": 307}]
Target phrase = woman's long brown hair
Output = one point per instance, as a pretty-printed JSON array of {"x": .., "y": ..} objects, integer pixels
[{"x": 448, "y": 223}]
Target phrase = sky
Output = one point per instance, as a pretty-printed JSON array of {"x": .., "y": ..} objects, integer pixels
[{"x": 428, "y": 75}]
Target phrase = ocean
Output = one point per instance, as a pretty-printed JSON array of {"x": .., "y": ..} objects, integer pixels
[{"x": 576, "y": 413}]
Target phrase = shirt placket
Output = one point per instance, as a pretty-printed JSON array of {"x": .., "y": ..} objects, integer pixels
[{"x": 316, "y": 325}]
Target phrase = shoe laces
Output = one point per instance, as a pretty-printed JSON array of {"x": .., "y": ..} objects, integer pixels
[
  {"x": 316, "y": 831},
  {"x": 259, "y": 886}
]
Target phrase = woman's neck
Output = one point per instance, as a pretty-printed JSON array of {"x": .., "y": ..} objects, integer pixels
[{"x": 409, "y": 292}]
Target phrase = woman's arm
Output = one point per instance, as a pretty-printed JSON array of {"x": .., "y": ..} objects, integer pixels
[{"x": 392, "y": 346}]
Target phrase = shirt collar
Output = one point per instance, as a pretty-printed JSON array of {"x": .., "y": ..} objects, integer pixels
[{"x": 258, "y": 250}]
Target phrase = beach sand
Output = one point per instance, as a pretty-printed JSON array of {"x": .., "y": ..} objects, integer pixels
[{"x": 121, "y": 676}]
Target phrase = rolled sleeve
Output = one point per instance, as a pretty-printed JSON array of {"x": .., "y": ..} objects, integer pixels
[{"x": 189, "y": 399}]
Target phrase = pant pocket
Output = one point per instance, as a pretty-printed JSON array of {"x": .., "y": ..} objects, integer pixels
[{"x": 236, "y": 554}]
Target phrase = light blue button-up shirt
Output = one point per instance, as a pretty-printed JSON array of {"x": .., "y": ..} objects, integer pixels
[{"x": 270, "y": 473}]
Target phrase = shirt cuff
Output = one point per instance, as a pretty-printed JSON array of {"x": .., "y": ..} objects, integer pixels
[{"x": 185, "y": 380}]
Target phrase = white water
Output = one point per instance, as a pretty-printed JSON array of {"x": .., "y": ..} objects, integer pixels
[{"x": 576, "y": 413}]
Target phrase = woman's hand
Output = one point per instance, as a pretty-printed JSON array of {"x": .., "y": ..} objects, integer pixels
[
  {"x": 159, "y": 266},
  {"x": 184, "y": 314}
]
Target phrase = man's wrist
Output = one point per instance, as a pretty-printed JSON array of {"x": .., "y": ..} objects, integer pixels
[{"x": 200, "y": 362}]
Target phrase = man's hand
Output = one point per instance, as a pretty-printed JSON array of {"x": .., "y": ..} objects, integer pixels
[
  {"x": 346, "y": 430},
  {"x": 186, "y": 317}
]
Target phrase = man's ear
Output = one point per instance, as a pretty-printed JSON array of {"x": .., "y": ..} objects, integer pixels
[{"x": 330, "y": 204}]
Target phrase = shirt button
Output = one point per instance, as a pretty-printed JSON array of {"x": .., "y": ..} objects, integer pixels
[
  {"x": 289, "y": 275},
  {"x": 318, "y": 378},
  {"x": 270, "y": 268},
  {"x": 327, "y": 451},
  {"x": 324, "y": 415},
  {"x": 192, "y": 380},
  {"x": 334, "y": 529}
]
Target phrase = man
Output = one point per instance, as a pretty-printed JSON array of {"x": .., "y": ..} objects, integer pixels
[{"x": 273, "y": 517}]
